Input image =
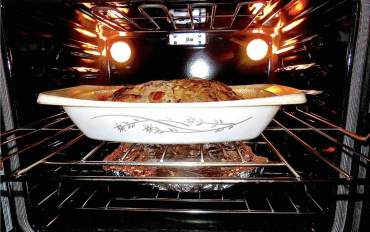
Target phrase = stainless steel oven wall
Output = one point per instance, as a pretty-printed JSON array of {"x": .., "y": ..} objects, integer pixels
[
  {"x": 12, "y": 220},
  {"x": 31, "y": 55},
  {"x": 334, "y": 61},
  {"x": 346, "y": 84},
  {"x": 315, "y": 50},
  {"x": 348, "y": 217}
]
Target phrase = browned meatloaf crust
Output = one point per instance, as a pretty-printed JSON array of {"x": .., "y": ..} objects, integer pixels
[{"x": 184, "y": 90}]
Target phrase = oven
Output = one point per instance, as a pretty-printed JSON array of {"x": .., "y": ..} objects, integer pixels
[{"x": 317, "y": 177}]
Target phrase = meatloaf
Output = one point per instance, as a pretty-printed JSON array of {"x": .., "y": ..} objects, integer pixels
[{"x": 184, "y": 90}]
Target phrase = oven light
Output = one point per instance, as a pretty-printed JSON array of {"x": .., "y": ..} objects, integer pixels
[
  {"x": 199, "y": 69},
  {"x": 257, "y": 49},
  {"x": 120, "y": 51}
]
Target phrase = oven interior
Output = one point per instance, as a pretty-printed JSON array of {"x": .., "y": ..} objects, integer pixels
[{"x": 52, "y": 175}]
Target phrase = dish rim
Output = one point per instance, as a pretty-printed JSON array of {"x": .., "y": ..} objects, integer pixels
[{"x": 287, "y": 96}]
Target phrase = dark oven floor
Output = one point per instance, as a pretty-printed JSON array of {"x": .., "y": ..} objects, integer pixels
[
  {"x": 136, "y": 207},
  {"x": 163, "y": 222}
]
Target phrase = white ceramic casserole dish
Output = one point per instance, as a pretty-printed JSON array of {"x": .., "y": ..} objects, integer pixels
[{"x": 172, "y": 123}]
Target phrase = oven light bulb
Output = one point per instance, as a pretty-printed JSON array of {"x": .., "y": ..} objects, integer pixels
[
  {"x": 120, "y": 51},
  {"x": 257, "y": 49},
  {"x": 199, "y": 69}
]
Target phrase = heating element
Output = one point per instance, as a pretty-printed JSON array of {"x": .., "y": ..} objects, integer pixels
[{"x": 154, "y": 17}]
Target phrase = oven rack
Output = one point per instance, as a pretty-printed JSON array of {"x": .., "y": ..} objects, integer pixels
[
  {"x": 160, "y": 17},
  {"x": 288, "y": 201},
  {"x": 58, "y": 200},
  {"x": 55, "y": 149}
]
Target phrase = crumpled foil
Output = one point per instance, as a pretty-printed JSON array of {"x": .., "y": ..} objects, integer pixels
[{"x": 220, "y": 152}]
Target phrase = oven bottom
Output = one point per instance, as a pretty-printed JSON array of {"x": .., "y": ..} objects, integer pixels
[{"x": 132, "y": 207}]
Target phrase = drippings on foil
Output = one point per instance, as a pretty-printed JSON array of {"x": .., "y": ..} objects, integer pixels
[{"x": 220, "y": 152}]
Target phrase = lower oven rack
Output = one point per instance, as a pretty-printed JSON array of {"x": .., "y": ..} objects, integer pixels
[
  {"x": 111, "y": 201},
  {"x": 290, "y": 201}
]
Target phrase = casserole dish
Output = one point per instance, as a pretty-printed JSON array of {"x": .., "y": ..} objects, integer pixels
[{"x": 172, "y": 123}]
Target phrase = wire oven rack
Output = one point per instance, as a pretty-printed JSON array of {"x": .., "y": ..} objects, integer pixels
[
  {"x": 59, "y": 201},
  {"x": 62, "y": 137},
  {"x": 191, "y": 16},
  {"x": 63, "y": 171}
]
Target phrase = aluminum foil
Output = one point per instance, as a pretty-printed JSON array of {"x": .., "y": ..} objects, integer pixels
[{"x": 220, "y": 152}]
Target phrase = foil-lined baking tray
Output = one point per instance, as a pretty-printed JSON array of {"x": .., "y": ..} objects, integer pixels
[{"x": 185, "y": 154}]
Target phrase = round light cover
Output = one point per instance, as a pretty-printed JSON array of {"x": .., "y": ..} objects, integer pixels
[
  {"x": 120, "y": 51},
  {"x": 199, "y": 68},
  {"x": 257, "y": 49}
]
